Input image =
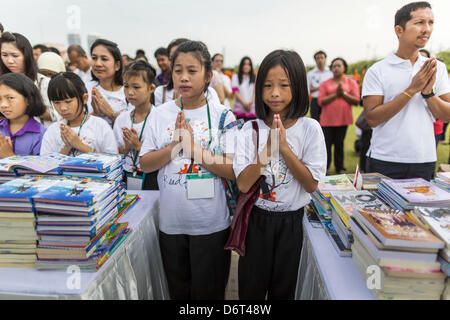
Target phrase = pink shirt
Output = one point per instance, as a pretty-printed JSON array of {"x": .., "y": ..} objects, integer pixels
[{"x": 338, "y": 112}]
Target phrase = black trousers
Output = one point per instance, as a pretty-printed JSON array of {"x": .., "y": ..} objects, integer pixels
[
  {"x": 365, "y": 145},
  {"x": 316, "y": 110},
  {"x": 196, "y": 267},
  {"x": 397, "y": 170},
  {"x": 335, "y": 136},
  {"x": 150, "y": 181},
  {"x": 273, "y": 247}
]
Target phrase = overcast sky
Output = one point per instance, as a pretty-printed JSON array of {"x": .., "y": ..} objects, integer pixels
[{"x": 354, "y": 30}]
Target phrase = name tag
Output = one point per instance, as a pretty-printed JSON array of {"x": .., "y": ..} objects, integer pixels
[
  {"x": 200, "y": 186},
  {"x": 135, "y": 181}
]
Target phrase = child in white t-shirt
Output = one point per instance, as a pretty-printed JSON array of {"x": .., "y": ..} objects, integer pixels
[
  {"x": 79, "y": 132},
  {"x": 182, "y": 140},
  {"x": 243, "y": 85},
  {"x": 129, "y": 126},
  {"x": 297, "y": 164}
]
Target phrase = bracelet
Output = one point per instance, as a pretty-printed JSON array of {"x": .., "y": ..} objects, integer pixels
[{"x": 407, "y": 94}]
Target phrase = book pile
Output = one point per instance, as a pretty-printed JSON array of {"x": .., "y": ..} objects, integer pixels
[
  {"x": 396, "y": 255},
  {"x": 94, "y": 165},
  {"x": 342, "y": 206},
  {"x": 443, "y": 180},
  {"x": 370, "y": 180},
  {"x": 71, "y": 218},
  {"x": 405, "y": 194},
  {"x": 17, "y": 221}
]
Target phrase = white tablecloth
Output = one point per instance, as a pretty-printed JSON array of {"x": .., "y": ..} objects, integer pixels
[
  {"x": 134, "y": 271},
  {"x": 323, "y": 274}
]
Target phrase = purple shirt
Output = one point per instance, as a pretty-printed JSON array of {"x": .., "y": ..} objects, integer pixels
[
  {"x": 26, "y": 141},
  {"x": 162, "y": 79}
]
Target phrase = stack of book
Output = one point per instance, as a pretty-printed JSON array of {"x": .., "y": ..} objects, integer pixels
[
  {"x": 443, "y": 180},
  {"x": 17, "y": 221},
  {"x": 342, "y": 206},
  {"x": 94, "y": 165},
  {"x": 370, "y": 180},
  {"x": 396, "y": 255},
  {"x": 405, "y": 194},
  {"x": 71, "y": 216}
]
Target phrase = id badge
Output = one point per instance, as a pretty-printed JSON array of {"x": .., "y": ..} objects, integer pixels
[
  {"x": 200, "y": 186},
  {"x": 135, "y": 181}
]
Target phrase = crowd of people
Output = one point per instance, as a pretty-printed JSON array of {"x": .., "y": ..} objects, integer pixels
[{"x": 179, "y": 123}]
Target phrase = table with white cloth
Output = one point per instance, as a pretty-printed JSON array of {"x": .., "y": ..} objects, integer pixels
[
  {"x": 323, "y": 274},
  {"x": 134, "y": 271}
]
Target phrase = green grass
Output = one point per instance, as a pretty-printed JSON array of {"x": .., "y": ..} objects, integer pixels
[{"x": 351, "y": 158}]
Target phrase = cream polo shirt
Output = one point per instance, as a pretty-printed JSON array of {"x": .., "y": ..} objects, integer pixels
[{"x": 408, "y": 137}]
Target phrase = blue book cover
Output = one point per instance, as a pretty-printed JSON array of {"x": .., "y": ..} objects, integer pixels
[
  {"x": 93, "y": 162},
  {"x": 77, "y": 191},
  {"x": 22, "y": 189}
]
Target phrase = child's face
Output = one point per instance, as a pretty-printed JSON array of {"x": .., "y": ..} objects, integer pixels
[
  {"x": 163, "y": 62},
  {"x": 137, "y": 90},
  {"x": 246, "y": 68},
  {"x": 277, "y": 93},
  {"x": 189, "y": 75},
  {"x": 12, "y": 58},
  {"x": 103, "y": 64},
  {"x": 13, "y": 105},
  {"x": 69, "y": 108}
]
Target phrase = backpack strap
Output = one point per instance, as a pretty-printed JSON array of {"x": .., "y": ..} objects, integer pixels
[{"x": 239, "y": 123}]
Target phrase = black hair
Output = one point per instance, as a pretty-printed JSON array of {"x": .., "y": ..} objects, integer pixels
[
  {"x": 140, "y": 52},
  {"x": 114, "y": 50},
  {"x": 26, "y": 87},
  {"x": 403, "y": 15},
  {"x": 295, "y": 69},
  {"x": 173, "y": 43},
  {"x": 141, "y": 68},
  {"x": 217, "y": 54},
  {"x": 77, "y": 48},
  {"x": 24, "y": 46},
  {"x": 53, "y": 49},
  {"x": 343, "y": 62},
  {"x": 241, "y": 70},
  {"x": 319, "y": 52},
  {"x": 67, "y": 85},
  {"x": 1, "y": 28},
  {"x": 161, "y": 52},
  {"x": 42, "y": 47},
  {"x": 200, "y": 52},
  {"x": 427, "y": 53}
]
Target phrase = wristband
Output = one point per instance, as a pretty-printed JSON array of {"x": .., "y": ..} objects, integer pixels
[{"x": 407, "y": 94}]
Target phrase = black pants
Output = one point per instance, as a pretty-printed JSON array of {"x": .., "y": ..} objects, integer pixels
[
  {"x": 273, "y": 247},
  {"x": 316, "y": 110},
  {"x": 397, "y": 170},
  {"x": 196, "y": 267},
  {"x": 335, "y": 136},
  {"x": 150, "y": 181},
  {"x": 364, "y": 147}
]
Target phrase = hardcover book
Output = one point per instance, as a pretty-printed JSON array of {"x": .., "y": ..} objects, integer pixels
[{"x": 339, "y": 182}]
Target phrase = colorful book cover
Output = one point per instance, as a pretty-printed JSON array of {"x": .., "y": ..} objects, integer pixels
[
  {"x": 7, "y": 164},
  {"x": 438, "y": 219},
  {"x": 335, "y": 183},
  {"x": 26, "y": 187},
  {"x": 370, "y": 180},
  {"x": 77, "y": 191},
  {"x": 395, "y": 228},
  {"x": 417, "y": 190},
  {"x": 349, "y": 200},
  {"x": 96, "y": 162}
]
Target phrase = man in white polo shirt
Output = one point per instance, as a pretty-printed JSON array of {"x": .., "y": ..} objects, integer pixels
[
  {"x": 315, "y": 77},
  {"x": 79, "y": 59},
  {"x": 403, "y": 95}
]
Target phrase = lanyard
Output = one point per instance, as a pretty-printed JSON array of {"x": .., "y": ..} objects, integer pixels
[
  {"x": 140, "y": 135},
  {"x": 209, "y": 120},
  {"x": 73, "y": 150}
]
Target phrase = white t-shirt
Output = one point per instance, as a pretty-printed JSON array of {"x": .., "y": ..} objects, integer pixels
[
  {"x": 211, "y": 94},
  {"x": 306, "y": 140},
  {"x": 178, "y": 215},
  {"x": 227, "y": 83},
  {"x": 408, "y": 137},
  {"x": 116, "y": 99},
  {"x": 95, "y": 133},
  {"x": 124, "y": 120},
  {"x": 315, "y": 77},
  {"x": 85, "y": 76},
  {"x": 246, "y": 90}
]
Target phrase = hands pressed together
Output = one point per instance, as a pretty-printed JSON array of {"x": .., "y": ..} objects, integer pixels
[
  {"x": 100, "y": 105},
  {"x": 6, "y": 147},
  {"x": 425, "y": 79}
]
